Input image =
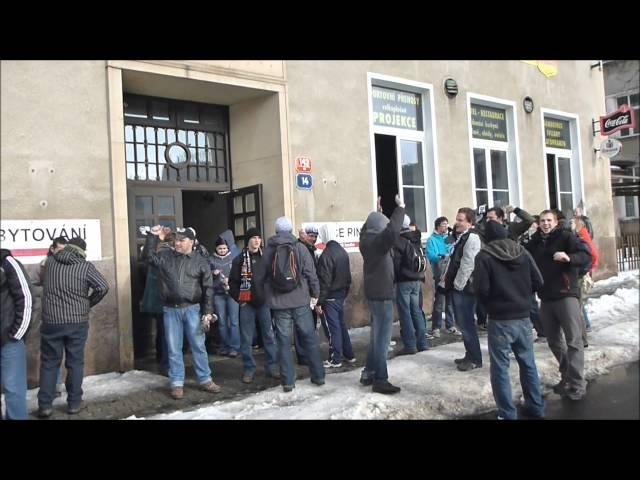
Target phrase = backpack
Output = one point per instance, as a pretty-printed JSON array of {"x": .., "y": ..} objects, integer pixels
[
  {"x": 285, "y": 275},
  {"x": 419, "y": 261}
]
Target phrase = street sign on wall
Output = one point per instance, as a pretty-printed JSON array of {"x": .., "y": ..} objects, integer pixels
[{"x": 304, "y": 181}]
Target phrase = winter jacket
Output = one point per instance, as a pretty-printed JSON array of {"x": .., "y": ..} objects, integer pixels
[
  {"x": 595, "y": 256},
  {"x": 437, "y": 247},
  {"x": 227, "y": 235},
  {"x": 312, "y": 250},
  {"x": 405, "y": 249},
  {"x": 67, "y": 280},
  {"x": 376, "y": 243},
  {"x": 505, "y": 276},
  {"x": 460, "y": 268},
  {"x": 308, "y": 285},
  {"x": 560, "y": 278},
  {"x": 152, "y": 299},
  {"x": 334, "y": 272},
  {"x": 224, "y": 265},
  {"x": 514, "y": 229},
  {"x": 235, "y": 277},
  {"x": 185, "y": 280},
  {"x": 16, "y": 299}
]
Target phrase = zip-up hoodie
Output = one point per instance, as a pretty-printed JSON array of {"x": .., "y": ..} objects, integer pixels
[
  {"x": 67, "y": 281},
  {"x": 16, "y": 299},
  {"x": 224, "y": 265},
  {"x": 505, "y": 276},
  {"x": 307, "y": 287},
  {"x": 437, "y": 246}
]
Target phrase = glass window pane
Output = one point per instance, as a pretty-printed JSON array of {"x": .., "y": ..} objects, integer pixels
[
  {"x": 151, "y": 153},
  {"x": 142, "y": 171},
  {"x": 250, "y": 202},
  {"x": 415, "y": 206},
  {"x": 202, "y": 139},
  {"x": 622, "y": 101},
  {"x": 411, "y": 159},
  {"x": 131, "y": 171},
  {"x": 168, "y": 222},
  {"x": 191, "y": 138},
  {"x": 171, "y": 135},
  {"x": 499, "y": 177},
  {"x": 202, "y": 156},
  {"x": 163, "y": 172},
  {"x": 251, "y": 222},
  {"x": 140, "y": 153},
  {"x": 166, "y": 205},
  {"x": 151, "y": 134},
  {"x": 182, "y": 136},
  {"x": 160, "y": 136},
  {"x": 144, "y": 206},
  {"x": 237, "y": 204},
  {"x": 564, "y": 173},
  {"x": 482, "y": 198},
  {"x": 128, "y": 133},
  {"x": 566, "y": 204},
  {"x": 128, "y": 152},
  {"x": 629, "y": 206},
  {"x": 140, "y": 134},
  {"x": 500, "y": 198},
  {"x": 479, "y": 161},
  {"x": 161, "y": 158},
  {"x": 239, "y": 226},
  {"x": 633, "y": 100}
]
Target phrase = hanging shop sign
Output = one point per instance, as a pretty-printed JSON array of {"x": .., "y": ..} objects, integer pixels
[
  {"x": 488, "y": 123},
  {"x": 618, "y": 120},
  {"x": 396, "y": 108},
  {"x": 610, "y": 148},
  {"x": 557, "y": 133}
]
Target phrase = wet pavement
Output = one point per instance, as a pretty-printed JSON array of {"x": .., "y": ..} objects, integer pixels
[{"x": 614, "y": 396}]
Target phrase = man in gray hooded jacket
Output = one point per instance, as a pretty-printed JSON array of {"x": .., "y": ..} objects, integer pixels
[
  {"x": 291, "y": 308},
  {"x": 377, "y": 237}
]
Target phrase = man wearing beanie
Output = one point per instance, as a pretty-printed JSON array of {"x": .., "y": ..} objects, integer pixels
[
  {"x": 252, "y": 307},
  {"x": 377, "y": 237},
  {"x": 291, "y": 288},
  {"x": 505, "y": 277},
  {"x": 66, "y": 303}
]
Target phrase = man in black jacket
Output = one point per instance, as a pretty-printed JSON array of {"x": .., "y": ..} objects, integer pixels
[
  {"x": 16, "y": 304},
  {"x": 334, "y": 274},
  {"x": 186, "y": 287},
  {"x": 66, "y": 303},
  {"x": 377, "y": 238},
  {"x": 506, "y": 276},
  {"x": 252, "y": 308},
  {"x": 559, "y": 257},
  {"x": 413, "y": 328}
]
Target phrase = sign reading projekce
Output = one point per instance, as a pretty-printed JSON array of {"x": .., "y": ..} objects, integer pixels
[
  {"x": 29, "y": 240},
  {"x": 618, "y": 120},
  {"x": 396, "y": 108}
]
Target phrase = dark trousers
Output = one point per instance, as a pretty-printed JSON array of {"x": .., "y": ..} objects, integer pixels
[
  {"x": 162, "y": 354},
  {"x": 54, "y": 339},
  {"x": 481, "y": 313},
  {"x": 333, "y": 323},
  {"x": 534, "y": 313}
]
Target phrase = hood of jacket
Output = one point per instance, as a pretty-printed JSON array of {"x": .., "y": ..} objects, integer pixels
[
  {"x": 507, "y": 251},
  {"x": 70, "y": 255},
  {"x": 282, "y": 238},
  {"x": 412, "y": 236},
  {"x": 376, "y": 223}
]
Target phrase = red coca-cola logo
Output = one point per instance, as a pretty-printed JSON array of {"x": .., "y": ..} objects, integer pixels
[{"x": 618, "y": 120}]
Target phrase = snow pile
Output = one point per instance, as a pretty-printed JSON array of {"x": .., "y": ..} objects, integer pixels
[{"x": 432, "y": 388}]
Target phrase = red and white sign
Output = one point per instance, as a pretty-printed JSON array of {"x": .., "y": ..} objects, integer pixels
[
  {"x": 346, "y": 234},
  {"x": 303, "y": 164},
  {"x": 29, "y": 240},
  {"x": 618, "y": 120}
]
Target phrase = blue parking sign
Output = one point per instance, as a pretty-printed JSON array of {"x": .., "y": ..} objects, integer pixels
[{"x": 304, "y": 181}]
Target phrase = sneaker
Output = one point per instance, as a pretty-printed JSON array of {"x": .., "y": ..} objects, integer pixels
[
  {"x": 366, "y": 381},
  {"x": 232, "y": 354},
  {"x": 288, "y": 388},
  {"x": 247, "y": 378},
  {"x": 350, "y": 360},
  {"x": 318, "y": 382},
  {"x": 435, "y": 333},
  {"x": 44, "y": 412},
  {"x": 454, "y": 331},
  {"x": 406, "y": 351},
  {"x": 211, "y": 387},
  {"x": 331, "y": 364},
  {"x": 392, "y": 343},
  {"x": 482, "y": 326},
  {"x": 559, "y": 388},
  {"x": 256, "y": 347},
  {"x": 385, "y": 388},
  {"x": 458, "y": 361},
  {"x": 467, "y": 365},
  {"x": 177, "y": 393},
  {"x": 428, "y": 336},
  {"x": 575, "y": 395},
  {"x": 423, "y": 349},
  {"x": 73, "y": 409},
  {"x": 540, "y": 339}
]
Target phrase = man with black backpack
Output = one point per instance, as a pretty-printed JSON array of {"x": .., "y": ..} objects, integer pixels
[
  {"x": 288, "y": 277},
  {"x": 409, "y": 266}
]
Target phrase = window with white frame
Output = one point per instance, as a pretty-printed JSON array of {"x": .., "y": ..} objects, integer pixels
[
  {"x": 632, "y": 101},
  {"x": 493, "y": 152}
]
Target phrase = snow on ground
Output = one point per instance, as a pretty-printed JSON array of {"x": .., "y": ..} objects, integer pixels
[{"x": 432, "y": 388}]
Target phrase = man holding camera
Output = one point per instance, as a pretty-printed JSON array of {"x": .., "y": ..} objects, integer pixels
[{"x": 186, "y": 288}]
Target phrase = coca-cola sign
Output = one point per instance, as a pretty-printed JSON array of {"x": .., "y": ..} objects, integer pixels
[{"x": 618, "y": 120}]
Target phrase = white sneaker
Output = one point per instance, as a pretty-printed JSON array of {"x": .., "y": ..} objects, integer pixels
[
  {"x": 350, "y": 360},
  {"x": 328, "y": 364},
  {"x": 435, "y": 332},
  {"x": 392, "y": 343},
  {"x": 428, "y": 336},
  {"x": 454, "y": 331}
]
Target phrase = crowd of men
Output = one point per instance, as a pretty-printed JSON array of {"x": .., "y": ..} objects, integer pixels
[{"x": 487, "y": 271}]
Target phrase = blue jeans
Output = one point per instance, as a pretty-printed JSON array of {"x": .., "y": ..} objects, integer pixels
[
  {"x": 301, "y": 319},
  {"x": 228, "y": 322},
  {"x": 412, "y": 326},
  {"x": 333, "y": 323},
  {"x": 177, "y": 322},
  {"x": 13, "y": 377},
  {"x": 54, "y": 339},
  {"x": 248, "y": 316},
  {"x": 464, "y": 306},
  {"x": 442, "y": 301},
  {"x": 505, "y": 336},
  {"x": 586, "y": 316},
  {"x": 381, "y": 322}
]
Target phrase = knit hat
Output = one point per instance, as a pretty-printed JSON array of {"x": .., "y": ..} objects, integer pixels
[
  {"x": 406, "y": 222},
  {"x": 78, "y": 242},
  {"x": 252, "y": 232},
  {"x": 221, "y": 241},
  {"x": 283, "y": 224},
  {"x": 494, "y": 231},
  {"x": 311, "y": 229}
]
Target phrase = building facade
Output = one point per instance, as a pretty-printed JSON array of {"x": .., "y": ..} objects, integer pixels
[{"x": 110, "y": 146}]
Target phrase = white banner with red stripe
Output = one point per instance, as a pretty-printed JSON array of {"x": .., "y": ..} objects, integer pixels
[
  {"x": 346, "y": 234},
  {"x": 29, "y": 240}
]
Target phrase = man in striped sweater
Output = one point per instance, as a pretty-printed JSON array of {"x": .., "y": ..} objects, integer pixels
[
  {"x": 71, "y": 287},
  {"x": 16, "y": 302}
]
